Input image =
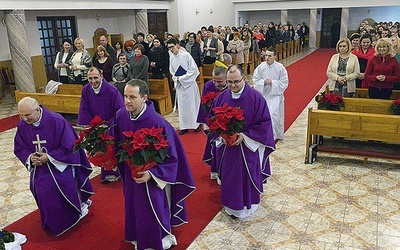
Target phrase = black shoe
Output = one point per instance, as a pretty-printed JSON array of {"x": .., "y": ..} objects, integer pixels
[
  {"x": 183, "y": 131},
  {"x": 105, "y": 181},
  {"x": 234, "y": 217},
  {"x": 198, "y": 129}
]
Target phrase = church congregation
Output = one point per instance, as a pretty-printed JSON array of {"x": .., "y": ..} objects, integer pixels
[{"x": 225, "y": 83}]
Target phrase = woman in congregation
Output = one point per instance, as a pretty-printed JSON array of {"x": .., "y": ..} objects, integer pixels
[
  {"x": 119, "y": 48},
  {"x": 364, "y": 53},
  {"x": 79, "y": 63},
  {"x": 139, "y": 65},
  {"x": 246, "y": 38},
  {"x": 104, "y": 62},
  {"x": 395, "y": 41},
  {"x": 61, "y": 62},
  {"x": 159, "y": 60},
  {"x": 235, "y": 48},
  {"x": 128, "y": 50},
  {"x": 120, "y": 73},
  {"x": 343, "y": 70},
  {"x": 150, "y": 38},
  {"x": 194, "y": 49},
  {"x": 382, "y": 70}
]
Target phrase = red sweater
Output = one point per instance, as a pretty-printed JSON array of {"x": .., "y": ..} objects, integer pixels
[{"x": 387, "y": 66}]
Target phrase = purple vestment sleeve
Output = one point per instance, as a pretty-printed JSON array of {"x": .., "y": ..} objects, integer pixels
[
  {"x": 147, "y": 217},
  {"x": 104, "y": 104},
  {"x": 56, "y": 193}
]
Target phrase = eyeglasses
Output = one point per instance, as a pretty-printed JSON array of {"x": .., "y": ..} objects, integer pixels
[
  {"x": 171, "y": 47},
  {"x": 235, "y": 81}
]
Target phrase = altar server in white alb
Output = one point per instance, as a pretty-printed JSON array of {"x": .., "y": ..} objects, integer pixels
[
  {"x": 184, "y": 72},
  {"x": 271, "y": 79}
]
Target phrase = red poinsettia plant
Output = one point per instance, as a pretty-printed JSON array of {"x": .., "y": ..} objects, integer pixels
[
  {"x": 395, "y": 107},
  {"x": 330, "y": 101},
  {"x": 207, "y": 99},
  {"x": 143, "y": 149},
  {"x": 98, "y": 144},
  {"x": 227, "y": 122}
]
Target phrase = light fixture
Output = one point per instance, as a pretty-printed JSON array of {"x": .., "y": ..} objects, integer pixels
[
  {"x": 197, "y": 11},
  {"x": 98, "y": 17},
  {"x": 211, "y": 11}
]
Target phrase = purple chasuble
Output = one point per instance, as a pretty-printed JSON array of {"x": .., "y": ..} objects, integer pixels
[
  {"x": 58, "y": 194},
  {"x": 104, "y": 104},
  {"x": 148, "y": 216},
  {"x": 201, "y": 118},
  {"x": 239, "y": 168}
]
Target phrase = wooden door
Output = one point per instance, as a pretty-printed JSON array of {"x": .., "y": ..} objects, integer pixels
[
  {"x": 330, "y": 31},
  {"x": 157, "y": 22}
]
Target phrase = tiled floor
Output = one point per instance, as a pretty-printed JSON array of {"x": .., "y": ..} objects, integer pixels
[{"x": 336, "y": 203}]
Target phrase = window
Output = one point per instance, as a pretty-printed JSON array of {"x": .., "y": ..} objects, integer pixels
[{"x": 52, "y": 31}]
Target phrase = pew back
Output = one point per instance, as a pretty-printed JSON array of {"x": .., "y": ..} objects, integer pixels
[
  {"x": 70, "y": 89},
  {"x": 363, "y": 93},
  {"x": 68, "y": 104},
  {"x": 366, "y": 105},
  {"x": 160, "y": 92}
]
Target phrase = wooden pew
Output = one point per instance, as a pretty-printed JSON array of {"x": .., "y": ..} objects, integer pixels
[
  {"x": 200, "y": 80},
  {"x": 251, "y": 62},
  {"x": 279, "y": 52},
  {"x": 362, "y": 119},
  {"x": 363, "y": 93},
  {"x": 70, "y": 89},
  {"x": 60, "y": 103},
  {"x": 366, "y": 105},
  {"x": 290, "y": 49},
  {"x": 207, "y": 71},
  {"x": 159, "y": 92}
]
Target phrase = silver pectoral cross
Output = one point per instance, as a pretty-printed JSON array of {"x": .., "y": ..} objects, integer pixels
[{"x": 38, "y": 143}]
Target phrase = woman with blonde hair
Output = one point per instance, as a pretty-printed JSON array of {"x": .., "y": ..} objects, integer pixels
[
  {"x": 104, "y": 62},
  {"x": 79, "y": 63},
  {"x": 235, "y": 48},
  {"x": 395, "y": 41},
  {"x": 382, "y": 70},
  {"x": 343, "y": 69}
]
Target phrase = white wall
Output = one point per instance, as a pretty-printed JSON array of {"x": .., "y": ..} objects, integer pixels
[
  {"x": 184, "y": 18},
  {"x": 379, "y": 14}
]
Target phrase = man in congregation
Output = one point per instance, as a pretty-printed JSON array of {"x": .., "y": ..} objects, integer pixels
[
  {"x": 214, "y": 86},
  {"x": 244, "y": 166},
  {"x": 154, "y": 202},
  {"x": 59, "y": 178},
  {"x": 99, "y": 98},
  {"x": 271, "y": 79},
  {"x": 104, "y": 41},
  {"x": 184, "y": 72}
]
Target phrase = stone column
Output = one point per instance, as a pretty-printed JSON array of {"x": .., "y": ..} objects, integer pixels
[
  {"x": 344, "y": 22},
  {"x": 313, "y": 29},
  {"x": 19, "y": 50},
  {"x": 284, "y": 16},
  {"x": 142, "y": 24}
]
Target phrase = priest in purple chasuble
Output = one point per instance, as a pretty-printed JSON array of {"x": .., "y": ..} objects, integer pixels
[
  {"x": 99, "y": 98},
  {"x": 154, "y": 202},
  {"x": 216, "y": 85},
  {"x": 59, "y": 178},
  {"x": 244, "y": 167}
]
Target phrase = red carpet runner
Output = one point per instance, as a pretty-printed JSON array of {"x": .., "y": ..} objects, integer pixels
[
  {"x": 9, "y": 123},
  {"x": 306, "y": 77},
  {"x": 103, "y": 228}
]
